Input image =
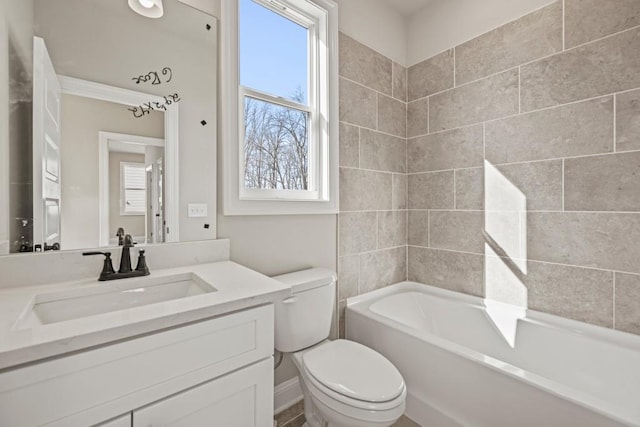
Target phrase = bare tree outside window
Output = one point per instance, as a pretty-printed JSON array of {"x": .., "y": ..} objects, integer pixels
[{"x": 276, "y": 150}]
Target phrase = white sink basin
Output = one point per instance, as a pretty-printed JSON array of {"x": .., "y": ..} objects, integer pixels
[{"x": 111, "y": 296}]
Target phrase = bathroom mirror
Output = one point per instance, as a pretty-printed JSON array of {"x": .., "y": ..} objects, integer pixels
[{"x": 105, "y": 105}]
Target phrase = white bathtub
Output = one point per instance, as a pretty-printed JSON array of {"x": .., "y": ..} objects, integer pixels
[{"x": 463, "y": 366}]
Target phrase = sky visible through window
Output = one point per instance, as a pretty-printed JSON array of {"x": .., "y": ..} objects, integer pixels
[{"x": 273, "y": 53}]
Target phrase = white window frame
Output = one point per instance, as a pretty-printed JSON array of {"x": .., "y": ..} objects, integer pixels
[
  {"x": 123, "y": 192},
  {"x": 322, "y": 196}
]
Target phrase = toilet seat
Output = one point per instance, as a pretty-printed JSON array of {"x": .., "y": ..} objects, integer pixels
[{"x": 352, "y": 374}]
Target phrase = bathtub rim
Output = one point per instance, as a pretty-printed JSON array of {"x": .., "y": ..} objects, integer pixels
[{"x": 360, "y": 305}]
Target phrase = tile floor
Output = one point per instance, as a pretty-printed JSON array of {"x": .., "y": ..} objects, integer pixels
[{"x": 294, "y": 417}]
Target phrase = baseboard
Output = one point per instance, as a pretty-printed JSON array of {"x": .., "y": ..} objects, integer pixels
[{"x": 286, "y": 395}]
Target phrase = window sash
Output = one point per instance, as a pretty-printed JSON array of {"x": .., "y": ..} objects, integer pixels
[{"x": 134, "y": 191}]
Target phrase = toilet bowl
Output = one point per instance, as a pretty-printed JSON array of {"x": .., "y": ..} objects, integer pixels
[{"x": 345, "y": 384}]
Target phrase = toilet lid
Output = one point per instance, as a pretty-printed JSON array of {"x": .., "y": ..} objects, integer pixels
[{"x": 355, "y": 371}]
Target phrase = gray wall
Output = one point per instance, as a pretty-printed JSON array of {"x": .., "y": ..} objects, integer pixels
[
  {"x": 373, "y": 183},
  {"x": 523, "y": 162}
]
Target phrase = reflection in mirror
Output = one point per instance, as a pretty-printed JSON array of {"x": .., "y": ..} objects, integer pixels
[{"x": 104, "y": 103}]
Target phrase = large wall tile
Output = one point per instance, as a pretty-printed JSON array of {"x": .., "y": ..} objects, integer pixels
[
  {"x": 418, "y": 117},
  {"x": 433, "y": 190},
  {"x": 458, "y": 148},
  {"x": 533, "y": 36},
  {"x": 358, "y": 104},
  {"x": 587, "y": 20},
  {"x": 539, "y": 182},
  {"x": 349, "y": 145},
  {"x": 627, "y": 303},
  {"x": 399, "y": 198},
  {"x": 599, "y": 68},
  {"x": 348, "y": 276},
  {"x": 487, "y": 99},
  {"x": 399, "y": 82},
  {"x": 358, "y": 232},
  {"x": 364, "y": 65},
  {"x": 455, "y": 271},
  {"x": 392, "y": 229},
  {"x": 431, "y": 75},
  {"x": 382, "y": 268},
  {"x": 362, "y": 190},
  {"x": 569, "y": 130},
  {"x": 469, "y": 188},
  {"x": 380, "y": 151},
  {"x": 628, "y": 121},
  {"x": 603, "y": 183},
  {"x": 576, "y": 293},
  {"x": 418, "y": 223},
  {"x": 392, "y": 116},
  {"x": 457, "y": 230},
  {"x": 601, "y": 240}
]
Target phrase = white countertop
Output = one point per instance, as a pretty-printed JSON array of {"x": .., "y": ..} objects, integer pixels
[{"x": 237, "y": 288}]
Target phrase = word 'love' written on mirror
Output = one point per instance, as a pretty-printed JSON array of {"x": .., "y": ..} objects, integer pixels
[{"x": 153, "y": 77}]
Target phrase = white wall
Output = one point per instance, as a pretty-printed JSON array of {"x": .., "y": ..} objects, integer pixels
[
  {"x": 375, "y": 24},
  {"x": 447, "y": 23}
]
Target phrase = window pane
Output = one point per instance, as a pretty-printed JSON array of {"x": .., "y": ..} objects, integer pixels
[
  {"x": 276, "y": 150},
  {"x": 273, "y": 53}
]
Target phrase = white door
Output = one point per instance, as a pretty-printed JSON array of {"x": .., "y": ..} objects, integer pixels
[
  {"x": 46, "y": 149},
  {"x": 241, "y": 399}
]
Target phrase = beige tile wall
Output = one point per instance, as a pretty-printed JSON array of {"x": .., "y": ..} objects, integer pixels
[
  {"x": 523, "y": 165},
  {"x": 372, "y": 249}
]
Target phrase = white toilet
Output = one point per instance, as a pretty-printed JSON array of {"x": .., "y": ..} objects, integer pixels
[{"x": 345, "y": 384}]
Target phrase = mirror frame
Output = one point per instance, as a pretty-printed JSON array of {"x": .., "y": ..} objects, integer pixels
[{"x": 101, "y": 92}]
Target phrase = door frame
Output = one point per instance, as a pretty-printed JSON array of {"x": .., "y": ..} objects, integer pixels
[
  {"x": 87, "y": 89},
  {"x": 103, "y": 175}
]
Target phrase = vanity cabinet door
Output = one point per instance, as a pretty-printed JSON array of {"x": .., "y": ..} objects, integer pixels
[
  {"x": 240, "y": 399},
  {"x": 123, "y": 421}
]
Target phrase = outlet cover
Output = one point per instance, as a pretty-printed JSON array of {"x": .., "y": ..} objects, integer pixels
[{"x": 197, "y": 210}]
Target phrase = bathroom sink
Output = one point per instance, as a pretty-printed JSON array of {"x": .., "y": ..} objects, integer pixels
[{"x": 113, "y": 296}]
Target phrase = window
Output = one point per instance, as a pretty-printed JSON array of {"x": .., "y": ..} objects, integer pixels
[
  {"x": 280, "y": 121},
  {"x": 133, "y": 193}
]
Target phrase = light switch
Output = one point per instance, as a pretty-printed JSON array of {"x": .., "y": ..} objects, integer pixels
[{"x": 197, "y": 210}]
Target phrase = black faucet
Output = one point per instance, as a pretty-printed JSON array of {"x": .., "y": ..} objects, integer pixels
[
  {"x": 125, "y": 271},
  {"x": 120, "y": 236}
]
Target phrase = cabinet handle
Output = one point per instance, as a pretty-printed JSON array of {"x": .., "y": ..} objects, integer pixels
[{"x": 290, "y": 300}]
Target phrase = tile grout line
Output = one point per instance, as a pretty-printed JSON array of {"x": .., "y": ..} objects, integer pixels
[
  {"x": 563, "y": 172},
  {"x": 614, "y": 300},
  {"x": 484, "y": 255},
  {"x": 615, "y": 121},
  {"x": 524, "y": 113},
  {"x": 519, "y": 90},
  {"x": 454, "y": 66},
  {"x": 563, "y": 26}
]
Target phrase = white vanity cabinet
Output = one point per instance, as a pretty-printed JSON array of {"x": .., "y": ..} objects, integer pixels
[{"x": 214, "y": 372}]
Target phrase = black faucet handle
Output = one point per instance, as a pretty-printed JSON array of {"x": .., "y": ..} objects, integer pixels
[
  {"x": 128, "y": 240},
  {"x": 107, "y": 267},
  {"x": 142, "y": 263}
]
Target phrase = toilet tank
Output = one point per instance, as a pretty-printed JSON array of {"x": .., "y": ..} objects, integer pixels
[{"x": 304, "y": 319}]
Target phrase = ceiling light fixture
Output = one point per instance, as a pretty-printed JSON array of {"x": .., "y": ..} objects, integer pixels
[{"x": 148, "y": 8}]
